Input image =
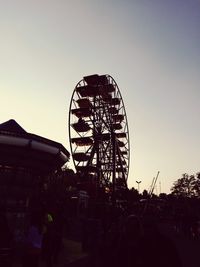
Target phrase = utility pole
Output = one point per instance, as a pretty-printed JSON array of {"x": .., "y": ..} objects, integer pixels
[
  {"x": 138, "y": 183},
  {"x": 160, "y": 187}
]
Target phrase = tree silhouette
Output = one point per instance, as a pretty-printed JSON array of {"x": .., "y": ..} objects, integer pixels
[{"x": 187, "y": 186}]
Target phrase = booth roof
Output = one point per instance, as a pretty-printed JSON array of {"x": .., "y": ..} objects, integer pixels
[
  {"x": 21, "y": 147},
  {"x": 11, "y": 126}
]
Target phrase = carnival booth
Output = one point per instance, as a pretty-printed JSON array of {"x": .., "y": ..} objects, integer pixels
[{"x": 25, "y": 160}]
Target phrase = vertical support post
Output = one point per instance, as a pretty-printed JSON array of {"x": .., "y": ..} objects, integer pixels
[{"x": 114, "y": 168}]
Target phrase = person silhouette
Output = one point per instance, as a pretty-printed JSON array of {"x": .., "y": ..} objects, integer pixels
[
  {"x": 33, "y": 241},
  {"x": 129, "y": 251}
]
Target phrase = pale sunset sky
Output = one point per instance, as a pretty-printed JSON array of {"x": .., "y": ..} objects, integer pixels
[{"x": 150, "y": 47}]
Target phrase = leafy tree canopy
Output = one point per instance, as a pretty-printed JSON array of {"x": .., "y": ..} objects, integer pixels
[{"x": 187, "y": 186}]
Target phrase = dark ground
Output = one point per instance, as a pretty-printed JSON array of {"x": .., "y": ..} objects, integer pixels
[{"x": 188, "y": 249}]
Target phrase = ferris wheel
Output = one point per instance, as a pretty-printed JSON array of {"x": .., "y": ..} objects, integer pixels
[{"x": 98, "y": 131}]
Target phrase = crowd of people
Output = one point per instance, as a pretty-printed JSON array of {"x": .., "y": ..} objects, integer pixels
[
  {"x": 110, "y": 236},
  {"x": 42, "y": 240},
  {"x": 130, "y": 241}
]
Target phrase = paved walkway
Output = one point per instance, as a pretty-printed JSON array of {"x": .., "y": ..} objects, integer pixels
[
  {"x": 188, "y": 248},
  {"x": 70, "y": 256}
]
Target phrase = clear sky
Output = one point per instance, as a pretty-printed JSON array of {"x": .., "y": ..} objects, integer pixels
[{"x": 150, "y": 47}]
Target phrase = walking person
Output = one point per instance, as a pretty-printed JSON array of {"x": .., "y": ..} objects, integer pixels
[
  {"x": 129, "y": 252},
  {"x": 48, "y": 240},
  {"x": 33, "y": 242}
]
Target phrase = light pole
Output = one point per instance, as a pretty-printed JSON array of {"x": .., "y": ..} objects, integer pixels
[{"x": 138, "y": 183}]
